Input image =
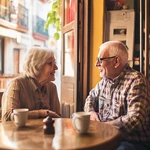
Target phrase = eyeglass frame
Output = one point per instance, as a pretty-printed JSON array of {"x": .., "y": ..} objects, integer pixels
[
  {"x": 53, "y": 63},
  {"x": 99, "y": 60}
]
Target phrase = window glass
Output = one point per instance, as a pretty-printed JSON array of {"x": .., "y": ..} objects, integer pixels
[{"x": 69, "y": 54}]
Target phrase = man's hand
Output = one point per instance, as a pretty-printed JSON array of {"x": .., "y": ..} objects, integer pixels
[{"x": 94, "y": 116}]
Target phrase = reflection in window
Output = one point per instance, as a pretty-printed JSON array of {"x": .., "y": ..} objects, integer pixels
[
  {"x": 69, "y": 54},
  {"x": 69, "y": 10}
]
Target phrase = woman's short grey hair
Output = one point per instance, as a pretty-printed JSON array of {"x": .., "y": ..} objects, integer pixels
[
  {"x": 116, "y": 48},
  {"x": 34, "y": 60}
]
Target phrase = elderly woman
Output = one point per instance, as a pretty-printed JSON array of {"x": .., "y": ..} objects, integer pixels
[{"x": 34, "y": 89}]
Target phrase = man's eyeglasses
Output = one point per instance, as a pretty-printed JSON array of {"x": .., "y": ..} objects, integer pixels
[
  {"x": 53, "y": 63},
  {"x": 99, "y": 60}
]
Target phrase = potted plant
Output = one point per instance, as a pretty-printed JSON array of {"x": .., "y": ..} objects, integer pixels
[{"x": 54, "y": 18}]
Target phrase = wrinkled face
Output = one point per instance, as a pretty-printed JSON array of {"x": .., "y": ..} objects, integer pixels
[
  {"x": 48, "y": 70},
  {"x": 106, "y": 64}
]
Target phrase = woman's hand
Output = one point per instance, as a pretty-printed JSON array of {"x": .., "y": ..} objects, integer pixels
[
  {"x": 94, "y": 116},
  {"x": 53, "y": 114},
  {"x": 44, "y": 113}
]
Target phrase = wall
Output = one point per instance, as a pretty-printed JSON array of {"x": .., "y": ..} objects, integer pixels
[{"x": 96, "y": 38}]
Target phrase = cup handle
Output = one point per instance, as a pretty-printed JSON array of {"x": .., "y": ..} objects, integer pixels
[
  {"x": 74, "y": 123},
  {"x": 12, "y": 116}
]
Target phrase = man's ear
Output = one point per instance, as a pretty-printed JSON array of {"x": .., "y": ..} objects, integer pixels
[{"x": 117, "y": 62}]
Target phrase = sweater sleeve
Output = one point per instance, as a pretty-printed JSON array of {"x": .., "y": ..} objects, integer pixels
[{"x": 53, "y": 98}]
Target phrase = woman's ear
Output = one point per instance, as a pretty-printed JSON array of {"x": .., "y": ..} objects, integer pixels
[{"x": 117, "y": 62}]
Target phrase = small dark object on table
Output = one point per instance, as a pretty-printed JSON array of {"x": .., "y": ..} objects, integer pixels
[{"x": 48, "y": 125}]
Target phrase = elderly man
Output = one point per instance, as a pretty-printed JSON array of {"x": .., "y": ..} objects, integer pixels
[{"x": 122, "y": 97}]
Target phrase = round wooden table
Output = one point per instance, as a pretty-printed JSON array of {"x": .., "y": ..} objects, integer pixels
[{"x": 99, "y": 136}]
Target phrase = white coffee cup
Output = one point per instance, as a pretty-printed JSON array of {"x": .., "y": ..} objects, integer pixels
[
  {"x": 20, "y": 116},
  {"x": 81, "y": 121}
]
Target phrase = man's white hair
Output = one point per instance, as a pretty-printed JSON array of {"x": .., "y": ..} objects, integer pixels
[{"x": 116, "y": 48}]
